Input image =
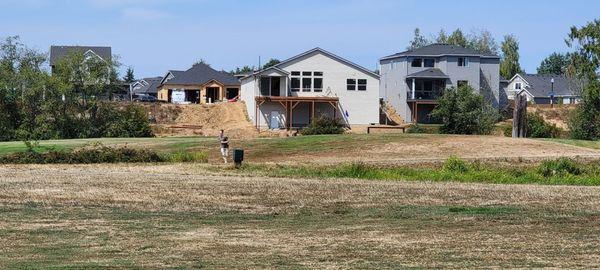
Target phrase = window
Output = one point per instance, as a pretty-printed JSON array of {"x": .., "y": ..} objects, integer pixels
[
  {"x": 417, "y": 62},
  {"x": 295, "y": 73},
  {"x": 429, "y": 62},
  {"x": 306, "y": 84},
  {"x": 462, "y": 83},
  {"x": 518, "y": 86},
  {"x": 463, "y": 62},
  {"x": 351, "y": 84},
  {"x": 392, "y": 65},
  {"x": 362, "y": 85},
  {"x": 318, "y": 81},
  {"x": 295, "y": 84},
  {"x": 265, "y": 86},
  {"x": 306, "y": 73}
]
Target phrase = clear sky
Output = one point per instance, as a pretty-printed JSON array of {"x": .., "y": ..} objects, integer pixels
[{"x": 153, "y": 36}]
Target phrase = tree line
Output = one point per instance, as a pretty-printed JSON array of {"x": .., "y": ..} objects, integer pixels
[{"x": 69, "y": 102}]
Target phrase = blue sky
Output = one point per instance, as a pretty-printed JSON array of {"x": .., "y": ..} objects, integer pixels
[{"x": 153, "y": 36}]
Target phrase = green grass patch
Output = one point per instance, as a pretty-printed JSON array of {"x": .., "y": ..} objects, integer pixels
[{"x": 553, "y": 172}]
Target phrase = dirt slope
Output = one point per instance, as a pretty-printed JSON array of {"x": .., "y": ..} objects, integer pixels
[
  {"x": 202, "y": 119},
  {"x": 558, "y": 115}
]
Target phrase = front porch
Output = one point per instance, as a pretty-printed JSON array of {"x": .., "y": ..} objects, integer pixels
[{"x": 295, "y": 111}]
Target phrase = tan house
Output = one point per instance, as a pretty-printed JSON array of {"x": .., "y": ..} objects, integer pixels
[{"x": 199, "y": 84}]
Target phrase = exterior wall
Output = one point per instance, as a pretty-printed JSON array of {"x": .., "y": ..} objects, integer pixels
[
  {"x": 163, "y": 92},
  {"x": 362, "y": 107},
  {"x": 393, "y": 85},
  {"x": 490, "y": 81},
  {"x": 511, "y": 91},
  {"x": 482, "y": 74}
]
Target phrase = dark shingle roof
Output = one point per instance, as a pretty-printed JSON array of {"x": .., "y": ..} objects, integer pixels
[
  {"x": 201, "y": 74},
  {"x": 429, "y": 73},
  {"x": 440, "y": 49},
  {"x": 57, "y": 52},
  {"x": 541, "y": 86},
  {"x": 151, "y": 87}
]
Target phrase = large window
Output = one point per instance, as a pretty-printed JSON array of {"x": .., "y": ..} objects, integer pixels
[
  {"x": 463, "y": 62},
  {"x": 318, "y": 81},
  {"x": 295, "y": 84},
  {"x": 429, "y": 62},
  {"x": 306, "y": 84},
  {"x": 265, "y": 86},
  {"x": 362, "y": 85},
  {"x": 351, "y": 84},
  {"x": 417, "y": 62}
]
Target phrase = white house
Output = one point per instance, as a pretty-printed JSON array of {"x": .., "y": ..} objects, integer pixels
[{"x": 310, "y": 85}]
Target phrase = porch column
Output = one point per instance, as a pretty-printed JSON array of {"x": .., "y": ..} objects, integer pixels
[{"x": 413, "y": 89}]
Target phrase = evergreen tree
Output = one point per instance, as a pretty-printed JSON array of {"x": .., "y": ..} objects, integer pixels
[
  {"x": 129, "y": 76},
  {"x": 484, "y": 42},
  {"x": 418, "y": 41},
  {"x": 458, "y": 38},
  {"x": 556, "y": 63},
  {"x": 509, "y": 64},
  {"x": 442, "y": 37},
  {"x": 271, "y": 63}
]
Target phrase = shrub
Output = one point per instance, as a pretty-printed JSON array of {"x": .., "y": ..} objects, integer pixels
[
  {"x": 561, "y": 167},
  {"x": 323, "y": 125},
  {"x": 129, "y": 120},
  {"x": 585, "y": 120},
  {"x": 462, "y": 111},
  {"x": 455, "y": 164},
  {"x": 416, "y": 128},
  {"x": 84, "y": 155},
  {"x": 183, "y": 156},
  {"x": 538, "y": 128}
]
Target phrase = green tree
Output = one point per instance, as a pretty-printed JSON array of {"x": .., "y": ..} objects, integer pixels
[
  {"x": 418, "y": 40},
  {"x": 556, "y": 63},
  {"x": 201, "y": 61},
  {"x": 271, "y": 63},
  {"x": 129, "y": 75},
  {"x": 243, "y": 70},
  {"x": 442, "y": 37},
  {"x": 462, "y": 111},
  {"x": 509, "y": 63},
  {"x": 585, "y": 63},
  {"x": 483, "y": 42},
  {"x": 458, "y": 38}
]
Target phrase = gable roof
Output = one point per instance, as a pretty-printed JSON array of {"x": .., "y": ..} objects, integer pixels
[
  {"x": 541, "y": 85},
  {"x": 201, "y": 74},
  {"x": 324, "y": 52},
  {"x": 58, "y": 52},
  {"x": 441, "y": 49},
  {"x": 434, "y": 73}
]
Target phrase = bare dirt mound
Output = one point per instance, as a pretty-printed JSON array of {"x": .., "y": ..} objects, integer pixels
[
  {"x": 558, "y": 115},
  {"x": 202, "y": 120}
]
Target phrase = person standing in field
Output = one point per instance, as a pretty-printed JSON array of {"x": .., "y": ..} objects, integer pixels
[{"x": 224, "y": 140}]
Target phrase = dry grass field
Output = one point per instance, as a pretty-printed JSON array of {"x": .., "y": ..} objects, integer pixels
[{"x": 188, "y": 217}]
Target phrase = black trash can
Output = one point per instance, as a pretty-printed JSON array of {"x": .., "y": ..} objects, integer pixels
[{"x": 238, "y": 157}]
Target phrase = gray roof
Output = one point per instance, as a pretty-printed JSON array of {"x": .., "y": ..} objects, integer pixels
[
  {"x": 57, "y": 52},
  {"x": 440, "y": 49},
  {"x": 317, "y": 49},
  {"x": 201, "y": 74},
  {"x": 151, "y": 87},
  {"x": 541, "y": 86},
  {"x": 433, "y": 73}
]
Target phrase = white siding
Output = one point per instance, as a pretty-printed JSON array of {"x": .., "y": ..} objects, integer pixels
[{"x": 362, "y": 107}]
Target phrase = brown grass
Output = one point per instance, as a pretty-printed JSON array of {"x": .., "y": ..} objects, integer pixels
[{"x": 149, "y": 216}]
